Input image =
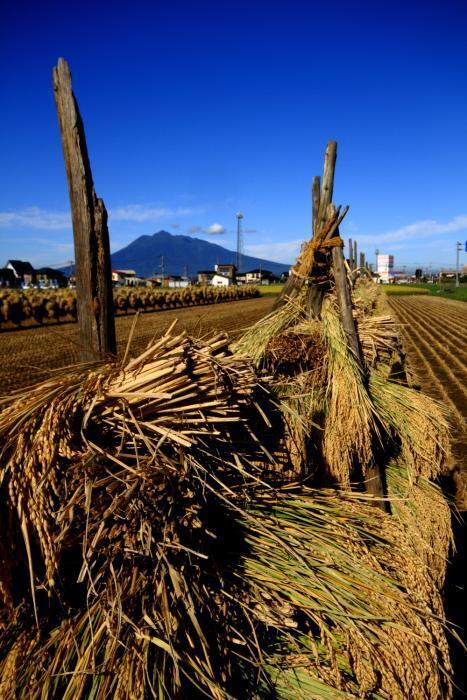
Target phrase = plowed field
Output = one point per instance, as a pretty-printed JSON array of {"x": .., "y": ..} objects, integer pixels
[
  {"x": 28, "y": 355},
  {"x": 434, "y": 332}
]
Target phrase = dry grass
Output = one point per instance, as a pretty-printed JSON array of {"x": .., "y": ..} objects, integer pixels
[
  {"x": 157, "y": 562},
  {"x": 418, "y": 423},
  {"x": 331, "y": 574},
  {"x": 155, "y": 549},
  {"x": 352, "y": 423},
  {"x": 379, "y": 339},
  {"x": 108, "y": 476}
]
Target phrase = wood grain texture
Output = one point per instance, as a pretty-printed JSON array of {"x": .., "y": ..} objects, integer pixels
[
  {"x": 328, "y": 180},
  {"x": 350, "y": 254},
  {"x": 90, "y": 231},
  {"x": 315, "y": 198}
]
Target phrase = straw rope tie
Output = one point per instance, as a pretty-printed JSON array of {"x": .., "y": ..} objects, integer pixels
[{"x": 315, "y": 245}]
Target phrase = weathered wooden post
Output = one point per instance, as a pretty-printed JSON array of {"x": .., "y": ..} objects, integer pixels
[
  {"x": 374, "y": 478},
  {"x": 355, "y": 257},
  {"x": 350, "y": 254},
  {"x": 315, "y": 198},
  {"x": 91, "y": 236},
  {"x": 362, "y": 261},
  {"x": 328, "y": 181}
]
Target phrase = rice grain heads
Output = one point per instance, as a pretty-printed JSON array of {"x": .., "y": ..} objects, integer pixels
[{"x": 113, "y": 491}]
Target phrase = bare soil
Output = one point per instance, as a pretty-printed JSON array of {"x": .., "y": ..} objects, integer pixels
[
  {"x": 28, "y": 355},
  {"x": 434, "y": 333}
]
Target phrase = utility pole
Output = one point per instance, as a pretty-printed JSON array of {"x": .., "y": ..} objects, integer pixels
[
  {"x": 239, "y": 216},
  {"x": 458, "y": 250}
]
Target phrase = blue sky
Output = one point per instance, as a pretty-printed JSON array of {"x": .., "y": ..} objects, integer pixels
[{"x": 195, "y": 110}]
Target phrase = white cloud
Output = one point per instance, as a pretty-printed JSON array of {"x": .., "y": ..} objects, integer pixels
[
  {"x": 142, "y": 212},
  {"x": 34, "y": 217},
  {"x": 416, "y": 231},
  {"x": 49, "y": 220},
  {"x": 283, "y": 252},
  {"x": 215, "y": 229}
]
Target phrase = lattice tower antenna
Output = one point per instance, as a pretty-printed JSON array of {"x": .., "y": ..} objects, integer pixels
[{"x": 239, "y": 216}]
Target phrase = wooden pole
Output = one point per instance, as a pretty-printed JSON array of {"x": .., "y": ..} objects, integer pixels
[
  {"x": 345, "y": 303},
  {"x": 315, "y": 197},
  {"x": 362, "y": 261},
  {"x": 355, "y": 257},
  {"x": 328, "y": 181},
  {"x": 350, "y": 254},
  {"x": 91, "y": 236},
  {"x": 374, "y": 478}
]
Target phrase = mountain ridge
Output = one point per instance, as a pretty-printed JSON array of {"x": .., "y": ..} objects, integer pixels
[{"x": 182, "y": 254}]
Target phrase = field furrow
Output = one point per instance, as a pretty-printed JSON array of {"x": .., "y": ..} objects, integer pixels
[
  {"x": 454, "y": 388},
  {"x": 442, "y": 348},
  {"x": 450, "y": 382},
  {"x": 450, "y": 331},
  {"x": 434, "y": 332},
  {"x": 427, "y": 374}
]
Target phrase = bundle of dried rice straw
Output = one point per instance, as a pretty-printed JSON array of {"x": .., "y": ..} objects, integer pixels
[{"x": 151, "y": 557}]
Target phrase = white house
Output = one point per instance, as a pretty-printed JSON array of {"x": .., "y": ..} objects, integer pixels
[
  {"x": 126, "y": 278},
  {"x": 219, "y": 280},
  {"x": 177, "y": 282},
  {"x": 227, "y": 269},
  {"x": 260, "y": 276}
]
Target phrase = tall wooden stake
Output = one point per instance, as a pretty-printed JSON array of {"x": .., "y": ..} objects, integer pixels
[
  {"x": 362, "y": 261},
  {"x": 374, "y": 479},
  {"x": 91, "y": 236},
  {"x": 350, "y": 254},
  {"x": 328, "y": 181},
  {"x": 315, "y": 199}
]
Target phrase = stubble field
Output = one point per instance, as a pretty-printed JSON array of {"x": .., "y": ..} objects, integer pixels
[
  {"x": 434, "y": 333},
  {"x": 30, "y": 355}
]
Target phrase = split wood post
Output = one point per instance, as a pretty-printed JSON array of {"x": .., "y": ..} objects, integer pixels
[
  {"x": 374, "y": 478},
  {"x": 328, "y": 181},
  {"x": 321, "y": 198},
  {"x": 91, "y": 236},
  {"x": 320, "y": 201},
  {"x": 350, "y": 254},
  {"x": 355, "y": 257},
  {"x": 315, "y": 198},
  {"x": 362, "y": 261}
]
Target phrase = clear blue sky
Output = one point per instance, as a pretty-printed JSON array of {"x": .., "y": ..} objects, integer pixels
[{"x": 195, "y": 110}]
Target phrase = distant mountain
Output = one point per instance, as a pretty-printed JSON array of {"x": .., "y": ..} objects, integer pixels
[{"x": 181, "y": 253}]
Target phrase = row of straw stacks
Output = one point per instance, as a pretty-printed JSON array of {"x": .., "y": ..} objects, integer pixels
[{"x": 196, "y": 521}]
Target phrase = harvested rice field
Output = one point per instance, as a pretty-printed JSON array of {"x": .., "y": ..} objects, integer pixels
[
  {"x": 434, "y": 333},
  {"x": 28, "y": 355},
  {"x": 252, "y": 518}
]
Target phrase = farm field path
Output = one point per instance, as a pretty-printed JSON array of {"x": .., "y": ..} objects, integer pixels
[
  {"x": 434, "y": 333},
  {"x": 28, "y": 355}
]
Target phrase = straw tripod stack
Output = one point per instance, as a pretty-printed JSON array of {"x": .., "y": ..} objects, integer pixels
[{"x": 155, "y": 546}]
